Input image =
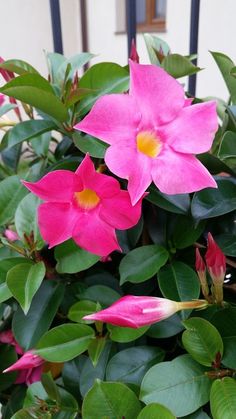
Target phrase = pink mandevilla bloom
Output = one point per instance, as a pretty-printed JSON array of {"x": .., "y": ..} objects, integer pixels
[
  {"x": 85, "y": 205},
  {"x": 11, "y": 235},
  {"x": 215, "y": 260},
  {"x": 153, "y": 133},
  {"x": 30, "y": 368},
  {"x": 137, "y": 311}
]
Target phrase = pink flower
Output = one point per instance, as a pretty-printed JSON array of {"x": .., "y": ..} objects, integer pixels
[
  {"x": 154, "y": 133},
  {"x": 215, "y": 260},
  {"x": 30, "y": 367},
  {"x": 85, "y": 205},
  {"x": 11, "y": 235},
  {"x": 201, "y": 271},
  {"x": 2, "y": 99},
  {"x": 135, "y": 311},
  {"x": 133, "y": 53},
  {"x": 8, "y": 337}
]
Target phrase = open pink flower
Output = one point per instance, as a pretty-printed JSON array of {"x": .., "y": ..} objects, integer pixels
[
  {"x": 137, "y": 311},
  {"x": 85, "y": 205},
  {"x": 154, "y": 133},
  {"x": 30, "y": 367}
]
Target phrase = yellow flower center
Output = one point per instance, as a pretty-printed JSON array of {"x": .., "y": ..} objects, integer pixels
[
  {"x": 148, "y": 143},
  {"x": 87, "y": 199}
]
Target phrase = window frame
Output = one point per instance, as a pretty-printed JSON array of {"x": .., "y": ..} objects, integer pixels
[{"x": 152, "y": 23}]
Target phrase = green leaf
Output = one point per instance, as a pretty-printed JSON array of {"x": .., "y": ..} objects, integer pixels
[
  {"x": 95, "y": 349},
  {"x": 214, "y": 164},
  {"x": 202, "y": 341},
  {"x": 229, "y": 358},
  {"x": 178, "y": 66},
  {"x": 102, "y": 78},
  {"x": 101, "y": 294},
  {"x": 225, "y": 65},
  {"x": 40, "y": 144},
  {"x": 223, "y": 398},
  {"x": 23, "y": 281},
  {"x": 110, "y": 400},
  {"x": 166, "y": 328},
  {"x": 130, "y": 365},
  {"x": 6, "y": 108},
  {"x": 71, "y": 374},
  {"x": 64, "y": 342},
  {"x": 72, "y": 259},
  {"x": 7, "y": 357},
  {"x": 36, "y": 91},
  {"x": 29, "y": 328},
  {"x": 18, "y": 66},
  {"x": 5, "y": 265},
  {"x": 26, "y": 219},
  {"x": 181, "y": 385},
  {"x": 125, "y": 334},
  {"x": 155, "y": 411},
  {"x": 186, "y": 232},
  {"x": 178, "y": 204},
  {"x": 24, "y": 131},
  {"x": 157, "y": 48},
  {"x": 142, "y": 263},
  {"x": 225, "y": 322},
  {"x": 76, "y": 62},
  {"x": 211, "y": 202},
  {"x": 199, "y": 414},
  {"x": 227, "y": 149},
  {"x": 227, "y": 243},
  {"x": 89, "y": 144},
  {"x": 179, "y": 282},
  {"x": 81, "y": 309},
  {"x": 54, "y": 61},
  {"x": 11, "y": 193}
]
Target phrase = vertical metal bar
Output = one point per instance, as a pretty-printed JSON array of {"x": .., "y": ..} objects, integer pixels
[
  {"x": 131, "y": 22},
  {"x": 56, "y": 25},
  {"x": 193, "y": 48},
  {"x": 84, "y": 28}
]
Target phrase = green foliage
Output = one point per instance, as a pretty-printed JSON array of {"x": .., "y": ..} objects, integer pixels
[{"x": 223, "y": 398}]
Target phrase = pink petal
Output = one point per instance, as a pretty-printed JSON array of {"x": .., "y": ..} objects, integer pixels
[
  {"x": 193, "y": 130},
  {"x": 105, "y": 186},
  {"x": 119, "y": 212},
  {"x": 159, "y": 96},
  {"x": 29, "y": 376},
  {"x": 56, "y": 222},
  {"x": 175, "y": 173},
  {"x": 57, "y": 186},
  {"x": 2, "y": 99},
  {"x": 28, "y": 360},
  {"x": 126, "y": 162},
  {"x": 113, "y": 118},
  {"x": 95, "y": 235}
]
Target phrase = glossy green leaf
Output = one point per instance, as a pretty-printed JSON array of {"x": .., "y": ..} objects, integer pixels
[
  {"x": 26, "y": 219},
  {"x": 113, "y": 400},
  {"x": 181, "y": 385},
  {"x": 186, "y": 232},
  {"x": 212, "y": 202},
  {"x": 178, "y": 66},
  {"x": 227, "y": 149},
  {"x": 5, "y": 266},
  {"x": 89, "y": 144},
  {"x": 18, "y": 66},
  {"x": 36, "y": 91},
  {"x": 95, "y": 349},
  {"x": 130, "y": 365},
  {"x": 202, "y": 341},
  {"x": 23, "y": 281},
  {"x": 26, "y": 130},
  {"x": 76, "y": 62},
  {"x": 227, "y": 243},
  {"x": 155, "y": 411},
  {"x": 223, "y": 398},
  {"x": 41, "y": 143},
  {"x": 101, "y": 294},
  {"x": 179, "y": 282},
  {"x": 102, "y": 78},
  {"x": 166, "y": 328},
  {"x": 178, "y": 204},
  {"x": 199, "y": 414},
  {"x": 29, "y": 328},
  {"x": 64, "y": 342},
  {"x": 125, "y": 334},
  {"x": 157, "y": 48},
  {"x": 11, "y": 193},
  {"x": 71, "y": 374},
  {"x": 81, "y": 309},
  {"x": 225, "y": 65},
  {"x": 72, "y": 259},
  {"x": 214, "y": 164},
  {"x": 54, "y": 61},
  {"x": 50, "y": 387},
  {"x": 6, "y": 108},
  {"x": 142, "y": 263},
  {"x": 229, "y": 358}
]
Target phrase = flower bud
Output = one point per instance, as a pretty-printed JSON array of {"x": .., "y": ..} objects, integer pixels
[
  {"x": 216, "y": 264},
  {"x": 201, "y": 271},
  {"x": 137, "y": 311},
  {"x": 27, "y": 361}
]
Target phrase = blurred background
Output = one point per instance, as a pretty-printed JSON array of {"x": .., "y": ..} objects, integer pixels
[{"x": 99, "y": 26}]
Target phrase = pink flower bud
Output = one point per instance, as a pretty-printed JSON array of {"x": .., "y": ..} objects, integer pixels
[
  {"x": 215, "y": 260},
  {"x": 8, "y": 337},
  {"x": 133, "y": 53},
  {"x": 27, "y": 361},
  {"x": 11, "y": 235},
  {"x": 201, "y": 271},
  {"x": 135, "y": 311}
]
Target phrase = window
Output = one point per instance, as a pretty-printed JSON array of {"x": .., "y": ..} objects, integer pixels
[{"x": 151, "y": 15}]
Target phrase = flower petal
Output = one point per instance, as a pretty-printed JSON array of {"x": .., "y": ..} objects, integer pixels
[
  {"x": 103, "y": 185},
  {"x": 28, "y": 360},
  {"x": 193, "y": 130},
  {"x": 56, "y": 222},
  {"x": 57, "y": 186},
  {"x": 112, "y": 118},
  {"x": 176, "y": 173},
  {"x": 119, "y": 212},
  {"x": 159, "y": 96},
  {"x": 95, "y": 235}
]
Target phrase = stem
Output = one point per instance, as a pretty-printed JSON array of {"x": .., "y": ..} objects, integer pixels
[{"x": 185, "y": 305}]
